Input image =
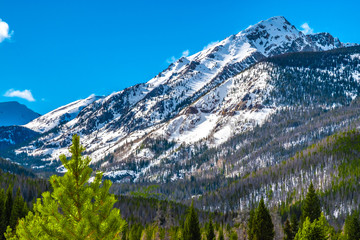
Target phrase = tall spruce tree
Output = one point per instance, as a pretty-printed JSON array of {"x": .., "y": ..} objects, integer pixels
[
  {"x": 352, "y": 227},
  {"x": 221, "y": 234},
  {"x": 191, "y": 225},
  {"x": 288, "y": 232},
  {"x": 250, "y": 225},
  {"x": 294, "y": 224},
  {"x": 8, "y": 206},
  {"x": 76, "y": 209},
  {"x": 18, "y": 210},
  {"x": 311, "y": 207},
  {"x": 2, "y": 213},
  {"x": 263, "y": 227},
  {"x": 210, "y": 234}
]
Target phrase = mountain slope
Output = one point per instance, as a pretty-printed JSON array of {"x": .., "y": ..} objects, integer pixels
[
  {"x": 332, "y": 164},
  {"x": 288, "y": 84},
  {"x": 60, "y": 115},
  {"x": 14, "y": 113},
  {"x": 13, "y": 136},
  {"x": 160, "y": 107}
]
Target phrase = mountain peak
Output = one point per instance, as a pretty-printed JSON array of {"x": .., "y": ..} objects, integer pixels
[
  {"x": 15, "y": 113},
  {"x": 276, "y": 20},
  {"x": 273, "y": 22}
]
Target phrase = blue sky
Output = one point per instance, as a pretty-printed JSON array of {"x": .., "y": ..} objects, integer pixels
[{"x": 61, "y": 51}]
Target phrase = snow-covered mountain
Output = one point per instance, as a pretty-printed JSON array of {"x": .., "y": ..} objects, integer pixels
[
  {"x": 14, "y": 113},
  {"x": 196, "y": 98},
  {"x": 60, "y": 115}
]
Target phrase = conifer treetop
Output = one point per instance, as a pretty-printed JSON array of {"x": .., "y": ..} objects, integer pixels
[{"x": 76, "y": 209}]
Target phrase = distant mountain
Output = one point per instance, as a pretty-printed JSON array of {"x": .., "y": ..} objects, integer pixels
[
  {"x": 12, "y": 136},
  {"x": 14, "y": 113}
]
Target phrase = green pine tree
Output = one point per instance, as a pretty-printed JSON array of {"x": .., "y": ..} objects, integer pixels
[
  {"x": 76, "y": 209},
  {"x": 294, "y": 224},
  {"x": 288, "y": 232},
  {"x": 2, "y": 213},
  {"x": 221, "y": 234},
  {"x": 311, "y": 207},
  {"x": 191, "y": 225},
  {"x": 135, "y": 232},
  {"x": 250, "y": 225},
  {"x": 233, "y": 235},
  {"x": 17, "y": 210},
  {"x": 8, "y": 206},
  {"x": 319, "y": 229},
  {"x": 210, "y": 234},
  {"x": 263, "y": 227},
  {"x": 352, "y": 227}
]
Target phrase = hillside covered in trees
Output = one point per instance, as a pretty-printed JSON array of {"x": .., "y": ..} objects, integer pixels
[{"x": 79, "y": 205}]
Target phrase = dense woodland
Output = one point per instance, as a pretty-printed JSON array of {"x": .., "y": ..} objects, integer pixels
[{"x": 73, "y": 208}]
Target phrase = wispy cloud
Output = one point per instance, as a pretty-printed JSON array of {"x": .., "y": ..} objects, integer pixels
[
  {"x": 173, "y": 58},
  {"x": 4, "y": 31},
  {"x": 211, "y": 45},
  {"x": 306, "y": 29},
  {"x": 26, "y": 94}
]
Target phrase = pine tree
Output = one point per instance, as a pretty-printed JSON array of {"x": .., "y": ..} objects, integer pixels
[
  {"x": 311, "y": 207},
  {"x": 263, "y": 227},
  {"x": 76, "y": 209},
  {"x": 319, "y": 229},
  {"x": 18, "y": 210},
  {"x": 288, "y": 232},
  {"x": 210, "y": 234},
  {"x": 191, "y": 225},
  {"x": 352, "y": 227},
  {"x": 2, "y": 213},
  {"x": 221, "y": 234},
  {"x": 8, "y": 206},
  {"x": 135, "y": 232},
  {"x": 294, "y": 224},
  {"x": 233, "y": 235},
  {"x": 250, "y": 225}
]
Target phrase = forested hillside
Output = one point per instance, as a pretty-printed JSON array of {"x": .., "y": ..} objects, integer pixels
[{"x": 85, "y": 202}]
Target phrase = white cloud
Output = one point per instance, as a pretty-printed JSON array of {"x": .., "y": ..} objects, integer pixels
[
  {"x": 4, "y": 31},
  {"x": 185, "y": 53},
  {"x": 307, "y": 29},
  {"x": 26, "y": 94},
  {"x": 173, "y": 58},
  {"x": 211, "y": 45}
]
